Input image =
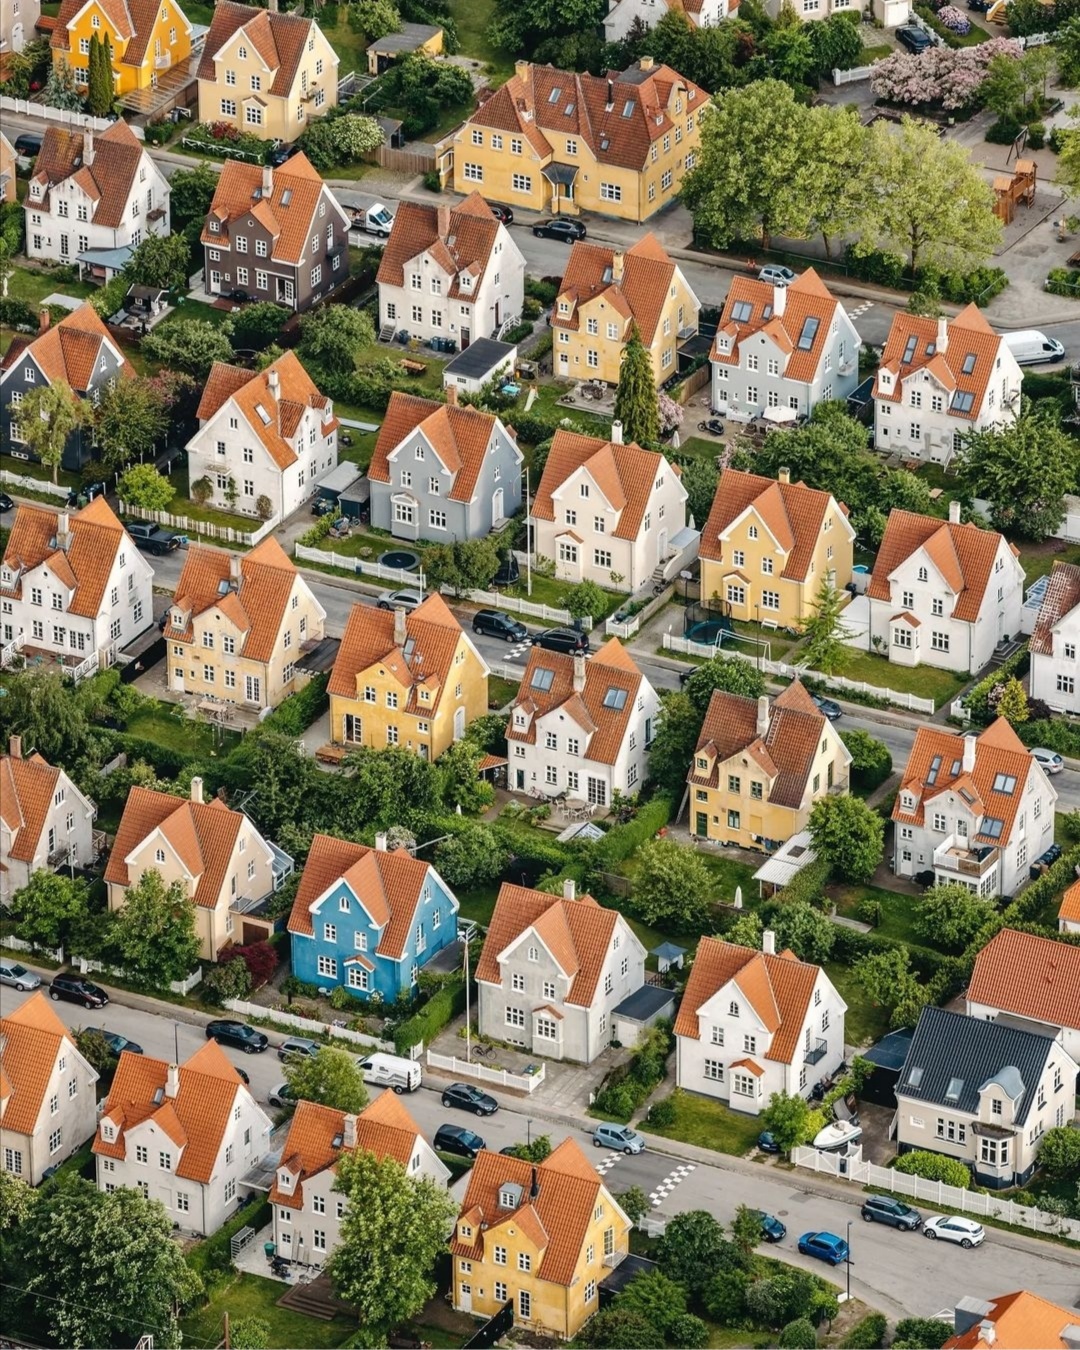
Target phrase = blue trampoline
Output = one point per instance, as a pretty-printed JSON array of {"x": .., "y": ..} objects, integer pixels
[{"x": 710, "y": 632}]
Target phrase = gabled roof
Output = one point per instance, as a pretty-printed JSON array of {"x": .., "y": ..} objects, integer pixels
[
  {"x": 132, "y": 20},
  {"x": 251, "y": 392},
  {"x": 462, "y": 238},
  {"x": 778, "y": 988},
  {"x": 1019, "y": 1322},
  {"x": 792, "y": 513},
  {"x": 625, "y": 474},
  {"x": 1029, "y": 976},
  {"x": 548, "y": 683},
  {"x": 964, "y": 367},
  {"x": 288, "y": 212},
  {"x": 104, "y": 165},
  {"x": 459, "y": 436},
  {"x": 27, "y": 787},
  {"x": 801, "y": 332},
  {"x": 31, "y": 1040},
  {"x": 952, "y": 1057},
  {"x": 69, "y": 350},
  {"x": 637, "y": 296},
  {"x": 1070, "y": 904},
  {"x": 84, "y": 565},
  {"x": 1061, "y": 597},
  {"x": 280, "y": 39},
  {"x": 963, "y": 554}
]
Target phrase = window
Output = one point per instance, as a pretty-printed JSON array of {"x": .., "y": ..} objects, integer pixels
[
  {"x": 253, "y": 115},
  {"x": 329, "y": 932},
  {"x": 328, "y": 967},
  {"x": 714, "y": 1070},
  {"x": 743, "y": 1084},
  {"x": 995, "y": 1152},
  {"x": 500, "y": 1256},
  {"x": 524, "y": 1262},
  {"x": 473, "y": 173},
  {"x": 546, "y": 1029},
  {"x": 524, "y": 1305},
  {"x": 749, "y": 1044},
  {"x": 733, "y": 820},
  {"x": 55, "y": 1139},
  {"x": 521, "y": 182},
  {"x": 770, "y": 600},
  {"x": 1066, "y": 684},
  {"x": 610, "y": 192}
]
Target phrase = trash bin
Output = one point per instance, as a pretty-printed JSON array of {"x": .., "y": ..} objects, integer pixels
[{"x": 269, "y": 1248}]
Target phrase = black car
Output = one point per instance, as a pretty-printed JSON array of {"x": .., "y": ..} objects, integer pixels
[
  {"x": 562, "y": 640},
  {"x": 239, "y": 1034},
  {"x": 5, "y": 502},
  {"x": 914, "y": 39},
  {"x": 74, "y": 989},
  {"x": 767, "y": 1143},
  {"x": 1044, "y": 860},
  {"x": 884, "y": 1209},
  {"x": 28, "y": 144},
  {"x": 569, "y": 231},
  {"x": 239, "y": 295},
  {"x": 502, "y": 213},
  {"x": 460, "y": 1142},
  {"x": 495, "y": 623},
  {"x": 280, "y": 153},
  {"x": 87, "y": 493},
  {"x": 117, "y": 1044},
  {"x": 469, "y": 1098}
]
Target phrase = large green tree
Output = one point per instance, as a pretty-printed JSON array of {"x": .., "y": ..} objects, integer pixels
[
  {"x": 678, "y": 726},
  {"x": 948, "y": 917},
  {"x": 333, "y": 336},
  {"x": 155, "y": 931},
  {"x": 330, "y": 1077},
  {"x": 471, "y": 857},
  {"x": 48, "y": 415},
  {"x": 99, "y": 88},
  {"x": 17, "y": 1201},
  {"x": 636, "y": 405},
  {"x": 672, "y": 886},
  {"x": 805, "y": 929},
  {"x": 161, "y": 260},
  {"x": 849, "y": 835},
  {"x": 824, "y": 647},
  {"x": 840, "y": 187},
  {"x": 48, "y": 714},
  {"x": 1023, "y": 469},
  {"x": 130, "y": 420},
  {"x": 733, "y": 674},
  {"x": 142, "y": 485},
  {"x": 787, "y": 1118},
  {"x": 49, "y": 907},
  {"x": 191, "y": 192},
  {"x": 692, "y": 1249},
  {"x": 193, "y": 345}
]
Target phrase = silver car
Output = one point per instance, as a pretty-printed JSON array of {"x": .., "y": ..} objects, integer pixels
[
  {"x": 18, "y": 976},
  {"x": 621, "y": 1138},
  {"x": 406, "y": 600},
  {"x": 1048, "y": 760}
]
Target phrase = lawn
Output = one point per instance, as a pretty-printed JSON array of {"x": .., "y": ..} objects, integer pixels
[
  {"x": 196, "y": 12},
  {"x": 345, "y": 35},
  {"x": 254, "y": 1296},
  {"x": 924, "y": 681},
  {"x": 708, "y": 1124},
  {"x": 429, "y": 385},
  {"x": 187, "y": 308},
  {"x": 864, "y": 1022},
  {"x": 183, "y": 505},
  {"x": 164, "y": 727},
  {"x": 471, "y": 17},
  {"x": 548, "y": 591},
  {"x": 546, "y": 404},
  {"x": 363, "y": 442},
  {"x": 478, "y": 905},
  {"x": 897, "y": 911},
  {"x": 1038, "y": 559},
  {"x": 33, "y": 286},
  {"x": 31, "y": 469},
  {"x": 698, "y": 447},
  {"x": 500, "y": 691}
]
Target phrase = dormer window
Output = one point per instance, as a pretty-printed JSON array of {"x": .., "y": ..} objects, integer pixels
[
  {"x": 466, "y": 1230},
  {"x": 108, "y": 1131},
  {"x": 214, "y": 227},
  {"x": 285, "y": 1180}
]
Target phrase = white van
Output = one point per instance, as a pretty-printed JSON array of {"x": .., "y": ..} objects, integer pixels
[
  {"x": 403, "y": 1075},
  {"x": 1031, "y": 347}
]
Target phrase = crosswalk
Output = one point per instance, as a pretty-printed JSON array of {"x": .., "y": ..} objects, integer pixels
[
  {"x": 607, "y": 1162},
  {"x": 665, "y": 1187},
  {"x": 860, "y": 309}
]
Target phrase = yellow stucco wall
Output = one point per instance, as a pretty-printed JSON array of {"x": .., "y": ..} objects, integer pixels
[{"x": 170, "y": 40}]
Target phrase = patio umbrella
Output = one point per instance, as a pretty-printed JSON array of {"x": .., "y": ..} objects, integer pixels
[
  {"x": 779, "y": 415},
  {"x": 738, "y": 897},
  {"x": 675, "y": 442}
]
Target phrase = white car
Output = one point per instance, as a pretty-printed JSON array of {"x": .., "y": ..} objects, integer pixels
[
  {"x": 955, "y": 1228},
  {"x": 1049, "y": 760},
  {"x": 406, "y": 600}
]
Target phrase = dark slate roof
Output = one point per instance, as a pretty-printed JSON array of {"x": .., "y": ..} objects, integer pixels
[
  {"x": 949, "y": 1046},
  {"x": 645, "y": 1002},
  {"x": 892, "y": 1050},
  {"x": 480, "y": 358}
]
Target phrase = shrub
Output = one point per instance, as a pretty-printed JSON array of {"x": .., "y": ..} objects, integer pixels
[
  {"x": 871, "y": 762},
  {"x": 16, "y": 313},
  {"x": 725, "y": 1297},
  {"x": 214, "y": 1256},
  {"x": 259, "y": 957},
  {"x": 688, "y": 1332},
  {"x": 867, "y": 1334},
  {"x": 519, "y": 332},
  {"x": 531, "y": 308},
  {"x": 298, "y": 711},
  {"x": 1036, "y": 135},
  {"x": 1063, "y": 281},
  {"x": 544, "y": 291},
  {"x": 954, "y": 19},
  {"x": 934, "y": 1167},
  {"x": 977, "y": 287},
  {"x": 1004, "y": 131},
  {"x": 437, "y": 1013},
  {"x": 977, "y": 700},
  {"x": 622, "y": 841},
  {"x": 433, "y": 180},
  {"x": 798, "y": 1335},
  {"x": 1056, "y": 139},
  {"x": 231, "y": 979},
  {"x": 628, "y": 1085},
  {"x": 662, "y": 1113}
]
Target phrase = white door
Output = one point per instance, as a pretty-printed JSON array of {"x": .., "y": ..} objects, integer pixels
[
  {"x": 661, "y": 547},
  {"x": 496, "y": 505},
  {"x": 465, "y": 1297},
  {"x": 17, "y": 38},
  {"x": 459, "y": 724}
]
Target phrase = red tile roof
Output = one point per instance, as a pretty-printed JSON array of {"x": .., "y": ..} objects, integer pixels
[
  {"x": 280, "y": 39},
  {"x": 132, "y": 20},
  {"x": 459, "y": 436},
  {"x": 239, "y": 198},
  {"x": 461, "y": 238},
  {"x": 116, "y": 156},
  {"x": 968, "y": 336},
  {"x": 31, "y": 1039},
  {"x": 1029, "y": 976},
  {"x": 27, "y": 787},
  {"x": 1061, "y": 597},
  {"x": 70, "y": 350},
  {"x": 638, "y": 296},
  {"x": 84, "y": 565},
  {"x": 806, "y": 299},
  {"x": 1019, "y": 1321},
  {"x": 625, "y": 474},
  {"x": 1070, "y": 904},
  {"x": 791, "y": 512}
]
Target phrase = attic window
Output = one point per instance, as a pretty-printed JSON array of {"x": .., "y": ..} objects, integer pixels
[
  {"x": 766, "y": 313},
  {"x": 568, "y": 110},
  {"x": 1005, "y": 782},
  {"x": 628, "y": 108},
  {"x": 952, "y": 1092},
  {"x": 930, "y": 349},
  {"x": 992, "y": 827},
  {"x": 242, "y": 53},
  {"x": 968, "y": 796},
  {"x": 955, "y": 768},
  {"x": 264, "y": 416},
  {"x": 108, "y": 1131},
  {"x": 809, "y": 333},
  {"x": 615, "y": 698},
  {"x": 159, "y": 856},
  {"x": 159, "y": 1096},
  {"x": 915, "y": 1076},
  {"x": 542, "y": 678},
  {"x": 256, "y": 195},
  {"x": 909, "y": 350},
  {"x": 214, "y": 227},
  {"x": 962, "y": 401},
  {"x": 741, "y": 311},
  {"x": 604, "y": 142},
  {"x": 286, "y": 197},
  {"x": 935, "y": 769},
  {"x": 555, "y": 95},
  {"x": 969, "y": 364}
]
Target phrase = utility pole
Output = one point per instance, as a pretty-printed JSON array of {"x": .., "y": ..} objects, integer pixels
[
  {"x": 226, "y": 1342},
  {"x": 468, "y": 1012},
  {"x": 528, "y": 537}
]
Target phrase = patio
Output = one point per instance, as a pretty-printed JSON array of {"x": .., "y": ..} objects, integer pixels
[
  {"x": 593, "y": 395},
  {"x": 211, "y": 712}
]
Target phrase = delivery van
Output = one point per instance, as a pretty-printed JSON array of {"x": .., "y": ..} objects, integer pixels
[
  {"x": 403, "y": 1075},
  {"x": 1031, "y": 347}
]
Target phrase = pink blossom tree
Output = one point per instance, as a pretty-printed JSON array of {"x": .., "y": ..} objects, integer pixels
[{"x": 939, "y": 76}]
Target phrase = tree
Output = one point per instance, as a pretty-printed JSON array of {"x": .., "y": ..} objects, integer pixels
[
  {"x": 393, "y": 1230},
  {"x": 472, "y": 857},
  {"x": 130, "y": 419},
  {"x": 887, "y": 977},
  {"x": 47, "y": 714},
  {"x": 161, "y": 260},
  {"x": 249, "y": 1333},
  {"x": 60, "y": 89},
  {"x": 700, "y": 478},
  {"x": 99, "y": 89},
  {"x": 836, "y": 43},
  {"x": 636, "y": 404},
  {"x": 786, "y": 1118},
  {"x": 619, "y": 1328},
  {"x": 585, "y": 600},
  {"x": 191, "y": 344},
  {"x": 948, "y": 917},
  {"x": 725, "y": 1297},
  {"x": 142, "y": 485},
  {"x": 202, "y": 490},
  {"x": 48, "y": 416},
  {"x": 48, "y": 908},
  {"x": 691, "y": 1249},
  {"x": 1060, "y": 1152},
  {"x": 849, "y": 835},
  {"x": 95, "y": 1049},
  {"x": 921, "y": 1333},
  {"x": 520, "y": 26},
  {"x": 934, "y": 1167},
  {"x": 17, "y": 1201},
  {"x": 656, "y": 1298},
  {"x": 777, "y": 1299},
  {"x": 1067, "y": 49},
  {"x": 330, "y": 1077},
  {"x": 672, "y": 886},
  {"x": 191, "y": 192},
  {"x": 732, "y": 674},
  {"x": 461, "y": 784},
  {"x": 256, "y": 326},
  {"x": 825, "y": 648},
  {"x": 535, "y": 1151},
  {"x": 375, "y": 18},
  {"x": 678, "y": 726},
  {"x": 155, "y": 931},
  {"x": 871, "y": 759},
  {"x": 1023, "y": 469},
  {"x": 467, "y": 565},
  {"x": 746, "y": 931},
  {"x": 746, "y": 1230},
  {"x": 805, "y": 929},
  {"x": 341, "y": 140},
  {"x": 1003, "y": 89},
  {"x": 840, "y": 190},
  {"x": 634, "y": 1203},
  {"x": 333, "y": 336},
  {"x": 798, "y": 1335}
]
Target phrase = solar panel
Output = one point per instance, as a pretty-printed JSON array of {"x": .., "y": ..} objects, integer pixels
[
  {"x": 542, "y": 678},
  {"x": 809, "y": 333}
]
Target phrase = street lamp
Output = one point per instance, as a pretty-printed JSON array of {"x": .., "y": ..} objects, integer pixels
[{"x": 848, "y": 1262}]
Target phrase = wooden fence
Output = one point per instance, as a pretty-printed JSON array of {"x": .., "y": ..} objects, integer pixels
[
  {"x": 403, "y": 161},
  {"x": 249, "y": 538},
  {"x": 696, "y": 380}
]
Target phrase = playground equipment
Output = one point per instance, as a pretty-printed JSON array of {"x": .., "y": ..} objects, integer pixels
[{"x": 1014, "y": 191}]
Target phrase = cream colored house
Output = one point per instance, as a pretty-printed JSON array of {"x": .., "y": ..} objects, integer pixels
[{"x": 45, "y": 821}]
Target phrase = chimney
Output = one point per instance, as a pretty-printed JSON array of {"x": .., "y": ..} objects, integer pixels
[
  {"x": 987, "y": 1331},
  {"x": 172, "y": 1082},
  {"x": 763, "y": 715},
  {"x": 779, "y": 301},
  {"x": 380, "y": 842},
  {"x": 197, "y": 789},
  {"x": 610, "y": 97},
  {"x": 954, "y": 513},
  {"x": 349, "y": 1131},
  {"x": 452, "y": 395},
  {"x": 88, "y": 147},
  {"x": 63, "y": 530},
  {"x": 521, "y": 69},
  {"x": 968, "y": 1312},
  {"x": 443, "y": 221},
  {"x": 616, "y": 433},
  {"x": 272, "y": 6},
  {"x": 1071, "y": 1336},
  {"x": 970, "y": 742},
  {"x": 273, "y": 383},
  {"x": 235, "y": 574},
  {"x": 268, "y": 181},
  {"x": 942, "y": 343},
  {"x": 44, "y": 319},
  {"x": 618, "y": 262},
  {"x": 399, "y": 627},
  {"x": 15, "y": 747},
  {"x": 768, "y": 942},
  {"x": 646, "y": 63},
  {"x": 783, "y": 474},
  {"x": 569, "y": 889},
  {"x": 534, "y": 1186},
  {"x": 579, "y": 674}
]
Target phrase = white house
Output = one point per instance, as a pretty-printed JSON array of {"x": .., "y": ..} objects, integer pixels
[
  {"x": 182, "y": 1134},
  {"x": 606, "y": 510},
  {"x": 624, "y": 16},
  {"x": 1054, "y": 641},
  {"x": 449, "y": 271},
  {"x": 754, "y": 1023},
  {"x": 940, "y": 379},
  {"x": 73, "y": 584},
  {"x": 943, "y": 594},
  {"x": 271, "y": 432},
  {"x": 93, "y": 191},
  {"x": 974, "y": 810},
  {"x": 1029, "y": 981},
  {"x": 44, "y": 820},
  {"x": 779, "y": 351},
  {"x": 581, "y": 726},
  {"x": 553, "y": 971}
]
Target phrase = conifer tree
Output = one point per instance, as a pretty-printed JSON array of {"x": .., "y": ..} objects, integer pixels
[{"x": 636, "y": 403}]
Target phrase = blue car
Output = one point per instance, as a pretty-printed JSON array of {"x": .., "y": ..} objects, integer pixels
[
  {"x": 825, "y": 1246},
  {"x": 772, "y": 1230},
  {"x": 767, "y": 1143}
]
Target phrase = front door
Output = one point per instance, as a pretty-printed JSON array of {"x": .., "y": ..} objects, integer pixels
[
  {"x": 459, "y": 723},
  {"x": 519, "y": 780},
  {"x": 661, "y": 548},
  {"x": 701, "y": 827},
  {"x": 496, "y": 506},
  {"x": 465, "y": 1297},
  {"x": 466, "y": 338},
  {"x": 498, "y": 315}
]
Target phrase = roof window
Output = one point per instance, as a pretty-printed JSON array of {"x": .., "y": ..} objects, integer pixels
[
  {"x": 616, "y": 699},
  {"x": 915, "y": 1076},
  {"x": 555, "y": 95},
  {"x": 909, "y": 350},
  {"x": 569, "y": 109},
  {"x": 542, "y": 678},
  {"x": 952, "y": 1092},
  {"x": 969, "y": 363},
  {"x": 962, "y": 401},
  {"x": 741, "y": 311},
  {"x": 935, "y": 769},
  {"x": 992, "y": 827},
  {"x": 809, "y": 333},
  {"x": 628, "y": 108},
  {"x": 264, "y": 416},
  {"x": 286, "y": 197},
  {"x": 1005, "y": 782}
]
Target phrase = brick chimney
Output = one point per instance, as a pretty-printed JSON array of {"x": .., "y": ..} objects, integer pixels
[
  {"x": 954, "y": 513},
  {"x": 942, "y": 343},
  {"x": 88, "y": 147},
  {"x": 443, "y": 221},
  {"x": 399, "y": 626},
  {"x": 44, "y": 319},
  {"x": 579, "y": 673},
  {"x": 349, "y": 1131},
  {"x": 763, "y": 715},
  {"x": 569, "y": 889},
  {"x": 452, "y": 395},
  {"x": 172, "y": 1081},
  {"x": 618, "y": 265},
  {"x": 197, "y": 789},
  {"x": 15, "y": 747}
]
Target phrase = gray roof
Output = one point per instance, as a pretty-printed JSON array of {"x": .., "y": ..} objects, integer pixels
[
  {"x": 953, "y": 1056},
  {"x": 645, "y": 1002},
  {"x": 480, "y": 358},
  {"x": 668, "y": 951},
  {"x": 410, "y": 39},
  {"x": 891, "y": 1051}
]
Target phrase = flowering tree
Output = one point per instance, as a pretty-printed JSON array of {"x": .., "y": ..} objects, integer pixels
[
  {"x": 671, "y": 413},
  {"x": 955, "y": 20},
  {"x": 939, "y": 75}
]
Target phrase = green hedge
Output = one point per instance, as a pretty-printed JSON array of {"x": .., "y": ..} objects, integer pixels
[
  {"x": 869, "y": 1334},
  {"x": 622, "y": 841},
  {"x": 1053, "y": 881},
  {"x": 437, "y": 1013},
  {"x": 1055, "y": 734},
  {"x": 213, "y": 1256},
  {"x": 976, "y": 700},
  {"x": 16, "y": 313},
  {"x": 934, "y": 1167},
  {"x": 533, "y": 852},
  {"x": 296, "y": 714},
  {"x": 168, "y": 763}
]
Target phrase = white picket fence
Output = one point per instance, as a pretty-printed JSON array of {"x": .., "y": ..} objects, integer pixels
[
  {"x": 328, "y": 558},
  {"x": 852, "y": 76},
  {"x": 836, "y": 682},
  {"x": 20, "y": 480},
  {"x": 856, "y": 1169},
  {"x": 89, "y": 967},
  {"x": 613, "y": 628},
  {"x": 530, "y": 608},
  {"x": 62, "y": 115},
  {"x": 182, "y": 525},
  {"x": 290, "y": 1022},
  {"x": 462, "y": 1068},
  {"x": 17, "y": 944}
]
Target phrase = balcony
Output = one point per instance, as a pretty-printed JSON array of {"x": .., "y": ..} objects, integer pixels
[
  {"x": 162, "y": 62},
  {"x": 816, "y": 1052},
  {"x": 953, "y": 856},
  {"x": 613, "y": 1259}
]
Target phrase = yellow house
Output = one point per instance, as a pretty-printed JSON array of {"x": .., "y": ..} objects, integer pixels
[
  {"x": 605, "y": 294},
  {"x": 147, "y": 37},
  {"x": 412, "y": 680},
  {"x": 267, "y": 73},
  {"x": 7, "y": 170},
  {"x": 553, "y": 140},
  {"x": 768, "y": 545},
  {"x": 542, "y": 1237},
  {"x": 758, "y": 768}
]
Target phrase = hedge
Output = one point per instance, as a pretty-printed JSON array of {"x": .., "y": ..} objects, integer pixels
[
  {"x": 534, "y": 853},
  {"x": 869, "y": 1334},
  {"x": 298, "y": 711},
  {"x": 934, "y": 1167},
  {"x": 214, "y": 1256},
  {"x": 849, "y": 946},
  {"x": 622, "y": 841},
  {"x": 1052, "y": 882},
  {"x": 976, "y": 699},
  {"x": 16, "y": 313},
  {"x": 168, "y": 763},
  {"x": 438, "y": 1012},
  {"x": 1055, "y": 734}
]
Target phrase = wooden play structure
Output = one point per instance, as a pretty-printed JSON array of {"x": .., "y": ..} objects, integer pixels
[{"x": 1014, "y": 191}]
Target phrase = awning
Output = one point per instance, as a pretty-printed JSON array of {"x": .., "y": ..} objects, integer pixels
[{"x": 563, "y": 174}]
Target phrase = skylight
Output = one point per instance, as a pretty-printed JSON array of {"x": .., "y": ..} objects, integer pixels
[
  {"x": 766, "y": 313},
  {"x": 955, "y": 768},
  {"x": 741, "y": 311},
  {"x": 969, "y": 363},
  {"x": 935, "y": 769},
  {"x": 952, "y": 1092},
  {"x": 967, "y": 795},
  {"x": 915, "y": 1076},
  {"x": 542, "y": 678},
  {"x": 992, "y": 827},
  {"x": 962, "y": 401},
  {"x": 909, "y": 350},
  {"x": 569, "y": 109},
  {"x": 286, "y": 197},
  {"x": 628, "y": 108},
  {"x": 809, "y": 333},
  {"x": 1005, "y": 782},
  {"x": 264, "y": 416},
  {"x": 555, "y": 95},
  {"x": 615, "y": 698}
]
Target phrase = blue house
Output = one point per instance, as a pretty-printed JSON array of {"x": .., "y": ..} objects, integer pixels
[{"x": 368, "y": 919}]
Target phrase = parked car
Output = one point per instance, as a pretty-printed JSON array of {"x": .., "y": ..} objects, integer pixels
[
  {"x": 562, "y": 640},
  {"x": 1045, "y": 860},
  {"x": 619, "y": 1137},
  {"x": 502, "y": 213},
  {"x": 282, "y": 1095},
  {"x": 885, "y": 1209},
  {"x": 569, "y": 231},
  {"x": 955, "y": 1228},
  {"x": 495, "y": 623},
  {"x": 238, "y": 1034},
  {"x": 776, "y": 274},
  {"x": 18, "y": 976},
  {"x": 455, "y": 1139},
  {"x": 117, "y": 1044},
  {"x": 82, "y": 496},
  {"x": 28, "y": 144},
  {"x": 827, "y": 707},
  {"x": 323, "y": 506},
  {"x": 825, "y": 1246},
  {"x": 1049, "y": 760},
  {"x": 1032, "y": 348},
  {"x": 6, "y": 502},
  {"x": 238, "y": 295},
  {"x": 392, "y": 1071},
  {"x": 767, "y": 1143},
  {"x": 282, "y": 152},
  {"x": 152, "y": 538},
  {"x": 914, "y": 39},
  {"x": 407, "y": 600},
  {"x": 298, "y": 1047},
  {"x": 772, "y": 1230},
  {"x": 469, "y": 1098},
  {"x": 74, "y": 989}
]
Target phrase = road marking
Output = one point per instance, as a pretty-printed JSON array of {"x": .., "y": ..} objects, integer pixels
[
  {"x": 665, "y": 1187},
  {"x": 860, "y": 309},
  {"x": 606, "y": 1163}
]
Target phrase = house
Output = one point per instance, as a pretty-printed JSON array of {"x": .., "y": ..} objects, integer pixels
[
  {"x": 411, "y": 39},
  {"x": 307, "y": 1208},
  {"x": 7, "y": 156},
  {"x": 1069, "y": 911},
  {"x": 238, "y": 625},
  {"x": 482, "y": 362},
  {"x": 47, "y": 1106},
  {"x": 45, "y": 821},
  {"x": 976, "y": 810},
  {"x": 553, "y": 970},
  {"x": 1029, "y": 981},
  {"x": 266, "y": 73},
  {"x": 609, "y": 512},
  {"x": 984, "y": 1093},
  {"x": 414, "y": 680},
  {"x": 72, "y": 583},
  {"x": 184, "y": 1135},
  {"x": 268, "y": 434},
  {"x": 943, "y": 594},
  {"x": 606, "y": 295},
  {"x": 1054, "y": 641},
  {"x": 809, "y": 10},
  {"x": 553, "y": 140},
  {"x": 227, "y": 869},
  {"x": 540, "y": 1237},
  {"x": 768, "y": 545},
  {"x": 449, "y": 271},
  {"x": 93, "y": 191},
  {"x": 779, "y": 350},
  {"x": 275, "y": 233},
  {"x": 79, "y": 351},
  {"x": 441, "y": 471},
  {"x": 367, "y": 919},
  {"x": 754, "y": 1023},
  {"x": 940, "y": 379},
  {"x": 581, "y": 726},
  {"x": 630, "y": 16},
  {"x": 759, "y": 766},
  {"x": 146, "y": 40},
  {"x": 1012, "y": 1322},
  {"x": 18, "y": 19}
]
